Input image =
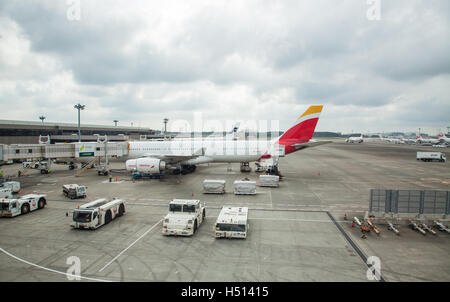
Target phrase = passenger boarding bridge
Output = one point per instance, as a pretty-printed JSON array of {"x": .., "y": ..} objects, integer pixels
[{"x": 86, "y": 152}]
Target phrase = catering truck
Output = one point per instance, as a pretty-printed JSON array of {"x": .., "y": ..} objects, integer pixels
[
  {"x": 184, "y": 217},
  {"x": 232, "y": 222},
  {"x": 73, "y": 191},
  {"x": 431, "y": 156},
  {"x": 94, "y": 214},
  {"x": 22, "y": 205}
]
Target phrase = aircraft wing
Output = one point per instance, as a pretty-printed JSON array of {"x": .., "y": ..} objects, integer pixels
[
  {"x": 175, "y": 158},
  {"x": 311, "y": 143}
]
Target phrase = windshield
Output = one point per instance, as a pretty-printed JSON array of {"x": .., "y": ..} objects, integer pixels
[
  {"x": 4, "y": 206},
  {"x": 175, "y": 207},
  {"x": 189, "y": 208},
  {"x": 79, "y": 216},
  {"x": 230, "y": 227}
]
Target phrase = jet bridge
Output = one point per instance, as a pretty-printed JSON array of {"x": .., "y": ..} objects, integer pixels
[
  {"x": 80, "y": 151},
  {"x": 63, "y": 151}
]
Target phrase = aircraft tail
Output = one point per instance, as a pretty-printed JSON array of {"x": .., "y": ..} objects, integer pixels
[{"x": 303, "y": 130}]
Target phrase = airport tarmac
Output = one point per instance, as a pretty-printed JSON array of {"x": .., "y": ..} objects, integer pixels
[{"x": 291, "y": 236}]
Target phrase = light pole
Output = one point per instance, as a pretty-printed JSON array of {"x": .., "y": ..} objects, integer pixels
[
  {"x": 79, "y": 107},
  {"x": 115, "y": 122},
  {"x": 165, "y": 125},
  {"x": 42, "y": 118}
]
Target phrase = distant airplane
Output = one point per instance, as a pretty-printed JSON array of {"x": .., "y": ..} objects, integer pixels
[
  {"x": 355, "y": 139},
  {"x": 182, "y": 156},
  {"x": 232, "y": 135},
  {"x": 422, "y": 140},
  {"x": 399, "y": 140},
  {"x": 443, "y": 139}
]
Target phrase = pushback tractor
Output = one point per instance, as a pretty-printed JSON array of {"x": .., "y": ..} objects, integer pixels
[
  {"x": 184, "y": 218},
  {"x": 93, "y": 215},
  {"x": 22, "y": 205}
]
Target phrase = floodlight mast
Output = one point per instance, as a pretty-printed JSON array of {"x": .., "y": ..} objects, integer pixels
[{"x": 79, "y": 107}]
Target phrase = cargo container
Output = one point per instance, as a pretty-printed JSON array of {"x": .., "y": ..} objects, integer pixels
[
  {"x": 244, "y": 187},
  {"x": 214, "y": 186}
]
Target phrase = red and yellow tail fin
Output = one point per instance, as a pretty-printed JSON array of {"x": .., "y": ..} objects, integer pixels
[{"x": 303, "y": 130}]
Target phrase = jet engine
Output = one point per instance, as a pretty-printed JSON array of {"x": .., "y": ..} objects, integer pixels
[{"x": 146, "y": 165}]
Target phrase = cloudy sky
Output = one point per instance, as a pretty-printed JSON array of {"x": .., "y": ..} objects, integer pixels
[{"x": 142, "y": 61}]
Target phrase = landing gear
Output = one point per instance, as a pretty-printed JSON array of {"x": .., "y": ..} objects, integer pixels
[{"x": 245, "y": 167}]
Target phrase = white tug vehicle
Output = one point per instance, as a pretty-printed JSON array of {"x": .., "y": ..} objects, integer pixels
[
  {"x": 94, "y": 214},
  {"x": 232, "y": 222},
  {"x": 184, "y": 218},
  {"x": 22, "y": 205}
]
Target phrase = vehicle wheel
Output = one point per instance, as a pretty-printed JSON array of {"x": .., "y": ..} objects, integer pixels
[
  {"x": 41, "y": 203},
  {"x": 195, "y": 226},
  {"x": 108, "y": 217},
  {"x": 105, "y": 173},
  {"x": 25, "y": 209},
  {"x": 121, "y": 210}
]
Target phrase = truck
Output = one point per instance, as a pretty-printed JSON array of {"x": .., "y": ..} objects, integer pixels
[
  {"x": 73, "y": 191},
  {"x": 94, "y": 214},
  {"x": 184, "y": 217},
  {"x": 43, "y": 166},
  {"x": 431, "y": 156},
  {"x": 13, "y": 185},
  {"x": 22, "y": 205},
  {"x": 232, "y": 222}
]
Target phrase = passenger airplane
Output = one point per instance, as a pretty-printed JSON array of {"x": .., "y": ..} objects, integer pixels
[
  {"x": 433, "y": 141},
  {"x": 355, "y": 139},
  {"x": 182, "y": 156},
  {"x": 444, "y": 139},
  {"x": 394, "y": 140}
]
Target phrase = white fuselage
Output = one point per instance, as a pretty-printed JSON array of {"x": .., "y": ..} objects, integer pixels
[
  {"x": 428, "y": 140},
  {"x": 354, "y": 139},
  {"x": 214, "y": 150}
]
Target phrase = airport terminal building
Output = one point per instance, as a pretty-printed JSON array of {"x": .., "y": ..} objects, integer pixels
[{"x": 25, "y": 132}]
